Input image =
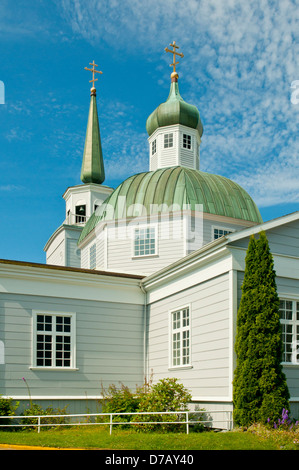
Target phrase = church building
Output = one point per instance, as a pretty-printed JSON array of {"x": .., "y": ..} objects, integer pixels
[{"x": 143, "y": 280}]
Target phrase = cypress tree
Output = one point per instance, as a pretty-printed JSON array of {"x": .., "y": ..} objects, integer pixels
[{"x": 260, "y": 389}]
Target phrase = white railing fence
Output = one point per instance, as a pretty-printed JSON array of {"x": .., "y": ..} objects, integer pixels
[{"x": 206, "y": 420}]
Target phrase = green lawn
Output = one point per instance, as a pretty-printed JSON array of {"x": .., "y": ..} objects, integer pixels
[{"x": 95, "y": 437}]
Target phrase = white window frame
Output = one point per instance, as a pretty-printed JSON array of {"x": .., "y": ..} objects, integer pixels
[
  {"x": 54, "y": 335},
  {"x": 168, "y": 140},
  {"x": 223, "y": 229},
  {"x": 290, "y": 331},
  {"x": 144, "y": 227},
  {"x": 154, "y": 147},
  {"x": 186, "y": 138},
  {"x": 180, "y": 330},
  {"x": 93, "y": 256}
]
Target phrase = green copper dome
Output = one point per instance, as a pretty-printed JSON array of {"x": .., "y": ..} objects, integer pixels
[
  {"x": 174, "y": 111},
  {"x": 168, "y": 189}
]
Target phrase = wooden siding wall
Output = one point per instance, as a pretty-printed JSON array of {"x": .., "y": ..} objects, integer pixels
[
  {"x": 56, "y": 252},
  {"x": 116, "y": 254},
  {"x": 209, "y": 311},
  {"x": 109, "y": 347},
  {"x": 283, "y": 240},
  {"x": 73, "y": 254}
]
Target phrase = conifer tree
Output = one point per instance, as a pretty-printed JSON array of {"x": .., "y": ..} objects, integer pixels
[{"x": 260, "y": 389}]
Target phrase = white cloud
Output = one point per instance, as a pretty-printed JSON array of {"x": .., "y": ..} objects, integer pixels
[{"x": 240, "y": 61}]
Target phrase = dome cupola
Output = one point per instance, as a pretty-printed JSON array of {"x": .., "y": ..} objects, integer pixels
[
  {"x": 174, "y": 128},
  {"x": 174, "y": 111}
]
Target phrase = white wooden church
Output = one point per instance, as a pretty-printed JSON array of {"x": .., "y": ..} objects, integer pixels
[{"x": 143, "y": 280}]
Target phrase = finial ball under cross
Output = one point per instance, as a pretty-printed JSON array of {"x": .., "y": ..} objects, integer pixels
[
  {"x": 174, "y": 75},
  {"x": 93, "y": 70}
]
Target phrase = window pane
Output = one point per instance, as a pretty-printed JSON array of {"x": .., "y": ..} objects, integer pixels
[
  {"x": 180, "y": 337},
  {"x": 144, "y": 241},
  {"x": 44, "y": 350},
  {"x": 53, "y": 349},
  {"x": 219, "y": 232},
  {"x": 44, "y": 323},
  {"x": 168, "y": 140},
  {"x": 187, "y": 141},
  {"x": 154, "y": 147}
]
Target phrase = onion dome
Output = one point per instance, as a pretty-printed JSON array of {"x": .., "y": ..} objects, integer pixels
[
  {"x": 169, "y": 189},
  {"x": 174, "y": 111}
]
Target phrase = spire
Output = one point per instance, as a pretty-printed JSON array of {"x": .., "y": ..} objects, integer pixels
[{"x": 92, "y": 170}]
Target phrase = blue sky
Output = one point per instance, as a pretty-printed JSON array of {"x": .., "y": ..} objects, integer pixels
[{"x": 240, "y": 59}]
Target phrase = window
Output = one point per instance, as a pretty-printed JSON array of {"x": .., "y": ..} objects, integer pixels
[
  {"x": 154, "y": 147},
  {"x": 219, "y": 232},
  {"x": 289, "y": 318},
  {"x": 93, "y": 256},
  {"x": 168, "y": 140},
  {"x": 187, "y": 141},
  {"x": 53, "y": 340},
  {"x": 80, "y": 214},
  {"x": 145, "y": 241},
  {"x": 180, "y": 338}
]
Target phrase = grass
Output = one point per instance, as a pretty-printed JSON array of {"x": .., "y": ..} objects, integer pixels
[{"x": 96, "y": 437}]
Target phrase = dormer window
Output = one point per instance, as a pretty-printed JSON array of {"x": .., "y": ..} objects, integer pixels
[
  {"x": 154, "y": 147},
  {"x": 187, "y": 141},
  {"x": 168, "y": 140}
]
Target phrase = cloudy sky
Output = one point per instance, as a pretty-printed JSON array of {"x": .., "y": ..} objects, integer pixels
[{"x": 241, "y": 59}]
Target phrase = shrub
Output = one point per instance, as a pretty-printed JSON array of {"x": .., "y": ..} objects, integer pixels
[
  {"x": 166, "y": 395},
  {"x": 120, "y": 400},
  {"x": 36, "y": 410},
  {"x": 7, "y": 408}
]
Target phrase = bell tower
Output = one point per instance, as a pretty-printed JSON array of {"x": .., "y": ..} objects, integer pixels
[{"x": 81, "y": 200}]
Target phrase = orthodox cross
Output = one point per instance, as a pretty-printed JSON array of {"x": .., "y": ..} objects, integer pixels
[
  {"x": 175, "y": 53},
  {"x": 93, "y": 70}
]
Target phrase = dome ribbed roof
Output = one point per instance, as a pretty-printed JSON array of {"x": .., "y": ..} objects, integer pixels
[
  {"x": 169, "y": 189},
  {"x": 174, "y": 111}
]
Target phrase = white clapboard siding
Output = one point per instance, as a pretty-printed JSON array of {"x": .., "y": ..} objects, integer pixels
[
  {"x": 210, "y": 338},
  {"x": 282, "y": 239},
  {"x": 109, "y": 346}
]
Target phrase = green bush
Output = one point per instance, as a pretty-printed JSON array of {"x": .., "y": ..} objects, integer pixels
[
  {"x": 120, "y": 400},
  {"x": 7, "y": 408},
  {"x": 166, "y": 395},
  {"x": 36, "y": 410}
]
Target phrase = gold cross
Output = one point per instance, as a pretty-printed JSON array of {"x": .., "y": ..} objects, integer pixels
[
  {"x": 174, "y": 54},
  {"x": 93, "y": 70}
]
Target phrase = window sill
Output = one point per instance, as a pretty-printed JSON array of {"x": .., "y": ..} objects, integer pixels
[
  {"x": 155, "y": 255},
  {"x": 62, "y": 369},
  {"x": 180, "y": 367},
  {"x": 289, "y": 364}
]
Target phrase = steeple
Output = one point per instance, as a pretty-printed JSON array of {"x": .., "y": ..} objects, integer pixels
[
  {"x": 92, "y": 170},
  {"x": 174, "y": 127}
]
